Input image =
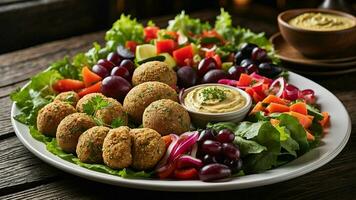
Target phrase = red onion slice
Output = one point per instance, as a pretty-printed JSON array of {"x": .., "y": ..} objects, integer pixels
[{"x": 281, "y": 83}]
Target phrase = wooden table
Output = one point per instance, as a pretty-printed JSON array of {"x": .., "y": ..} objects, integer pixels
[{"x": 22, "y": 175}]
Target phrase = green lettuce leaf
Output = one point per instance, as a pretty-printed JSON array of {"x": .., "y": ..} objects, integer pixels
[
  {"x": 39, "y": 136},
  {"x": 287, "y": 142},
  {"x": 66, "y": 69},
  {"x": 266, "y": 135},
  {"x": 237, "y": 36},
  {"x": 248, "y": 146},
  {"x": 184, "y": 24},
  {"x": 222, "y": 125},
  {"x": 124, "y": 29},
  {"x": 35, "y": 95},
  {"x": 296, "y": 131}
]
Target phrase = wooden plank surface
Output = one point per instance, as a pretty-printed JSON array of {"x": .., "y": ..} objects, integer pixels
[{"x": 23, "y": 176}]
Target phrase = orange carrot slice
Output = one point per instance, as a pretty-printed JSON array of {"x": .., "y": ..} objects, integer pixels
[
  {"x": 277, "y": 108},
  {"x": 89, "y": 77},
  {"x": 299, "y": 107},
  {"x": 273, "y": 99},
  {"x": 91, "y": 89}
]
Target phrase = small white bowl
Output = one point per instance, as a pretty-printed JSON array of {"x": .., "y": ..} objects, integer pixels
[{"x": 202, "y": 118}]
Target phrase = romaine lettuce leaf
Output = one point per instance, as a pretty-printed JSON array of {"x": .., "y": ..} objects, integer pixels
[{"x": 296, "y": 130}]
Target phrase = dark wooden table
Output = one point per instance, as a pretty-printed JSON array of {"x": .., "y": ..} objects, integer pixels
[{"x": 24, "y": 176}]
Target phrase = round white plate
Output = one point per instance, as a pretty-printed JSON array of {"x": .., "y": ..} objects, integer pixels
[{"x": 331, "y": 145}]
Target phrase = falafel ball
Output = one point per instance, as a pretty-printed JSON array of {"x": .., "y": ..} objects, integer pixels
[
  {"x": 70, "y": 128},
  {"x": 117, "y": 148},
  {"x": 147, "y": 148},
  {"x": 90, "y": 144},
  {"x": 142, "y": 95},
  {"x": 176, "y": 119},
  {"x": 70, "y": 97},
  {"x": 51, "y": 115},
  {"x": 85, "y": 99},
  {"x": 154, "y": 71},
  {"x": 112, "y": 112}
]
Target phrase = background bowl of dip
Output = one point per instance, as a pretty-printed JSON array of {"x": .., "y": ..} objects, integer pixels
[
  {"x": 318, "y": 32},
  {"x": 206, "y": 103}
]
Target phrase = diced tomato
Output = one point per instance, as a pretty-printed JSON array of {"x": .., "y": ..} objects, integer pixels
[
  {"x": 167, "y": 45},
  {"x": 181, "y": 54},
  {"x": 256, "y": 97},
  {"x": 244, "y": 80},
  {"x": 68, "y": 85},
  {"x": 166, "y": 171},
  {"x": 299, "y": 107},
  {"x": 131, "y": 45},
  {"x": 186, "y": 174},
  {"x": 277, "y": 108},
  {"x": 89, "y": 77},
  {"x": 150, "y": 32},
  {"x": 91, "y": 89},
  {"x": 250, "y": 91},
  {"x": 209, "y": 54}
]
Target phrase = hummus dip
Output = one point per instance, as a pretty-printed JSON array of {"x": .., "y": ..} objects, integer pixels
[
  {"x": 322, "y": 22},
  {"x": 214, "y": 99}
]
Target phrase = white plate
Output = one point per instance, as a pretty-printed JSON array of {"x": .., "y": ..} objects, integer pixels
[{"x": 331, "y": 145}]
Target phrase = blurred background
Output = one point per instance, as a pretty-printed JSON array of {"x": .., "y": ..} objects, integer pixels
[{"x": 26, "y": 23}]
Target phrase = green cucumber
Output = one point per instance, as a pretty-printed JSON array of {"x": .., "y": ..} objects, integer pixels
[{"x": 154, "y": 58}]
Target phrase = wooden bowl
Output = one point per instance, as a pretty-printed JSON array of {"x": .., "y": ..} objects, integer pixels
[{"x": 317, "y": 43}]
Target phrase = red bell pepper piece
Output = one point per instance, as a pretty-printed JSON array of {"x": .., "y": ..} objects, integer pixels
[
  {"x": 186, "y": 174},
  {"x": 166, "y": 171}
]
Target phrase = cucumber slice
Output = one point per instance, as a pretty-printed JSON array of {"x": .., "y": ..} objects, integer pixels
[
  {"x": 169, "y": 60},
  {"x": 154, "y": 58},
  {"x": 145, "y": 51}
]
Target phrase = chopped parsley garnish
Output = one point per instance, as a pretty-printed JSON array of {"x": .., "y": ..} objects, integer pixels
[
  {"x": 212, "y": 93},
  {"x": 94, "y": 104},
  {"x": 117, "y": 122}
]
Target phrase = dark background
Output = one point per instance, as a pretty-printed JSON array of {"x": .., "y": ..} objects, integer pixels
[{"x": 26, "y": 23}]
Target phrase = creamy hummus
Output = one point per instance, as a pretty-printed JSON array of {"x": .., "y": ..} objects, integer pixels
[
  {"x": 214, "y": 99},
  {"x": 322, "y": 22}
]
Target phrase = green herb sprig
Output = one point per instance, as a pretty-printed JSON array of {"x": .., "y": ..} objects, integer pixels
[{"x": 212, "y": 93}]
